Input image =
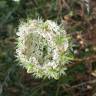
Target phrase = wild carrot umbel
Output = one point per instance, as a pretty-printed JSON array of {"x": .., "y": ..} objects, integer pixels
[{"x": 43, "y": 48}]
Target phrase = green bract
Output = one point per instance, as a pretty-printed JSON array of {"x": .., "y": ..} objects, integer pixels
[{"x": 43, "y": 48}]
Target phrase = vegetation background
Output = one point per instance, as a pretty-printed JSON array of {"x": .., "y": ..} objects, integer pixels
[{"x": 79, "y": 19}]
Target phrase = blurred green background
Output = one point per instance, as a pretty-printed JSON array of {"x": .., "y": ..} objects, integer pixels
[{"x": 78, "y": 18}]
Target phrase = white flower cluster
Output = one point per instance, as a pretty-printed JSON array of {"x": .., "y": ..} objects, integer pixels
[{"x": 42, "y": 48}]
